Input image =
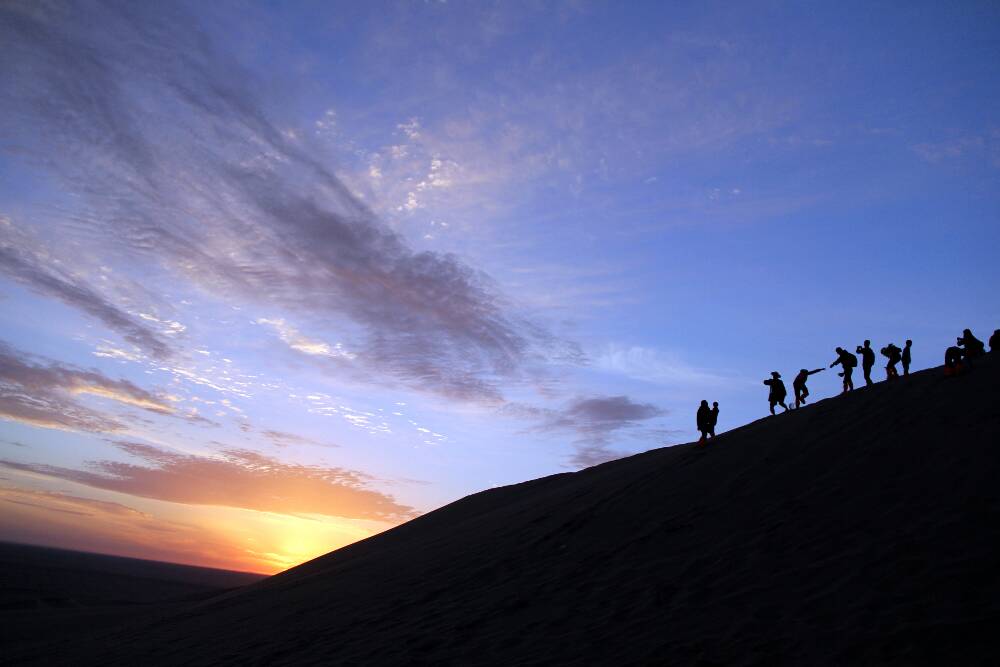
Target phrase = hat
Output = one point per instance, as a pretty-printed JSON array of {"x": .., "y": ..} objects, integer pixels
[{"x": 776, "y": 374}]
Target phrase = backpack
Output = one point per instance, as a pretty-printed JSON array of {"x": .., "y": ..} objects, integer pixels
[{"x": 850, "y": 360}]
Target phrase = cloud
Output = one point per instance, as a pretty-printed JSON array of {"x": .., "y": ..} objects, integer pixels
[
  {"x": 31, "y": 268},
  {"x": 177, "y": 162},
  {"x": 651, "y": 365},
  {"x": 595, "y": 421},
  {"x": 985, "y": 146},
  {"x": 300, "y": 343},
  {"x": 284, "y": 438},
  {"x": 53, "y": 501},
  {"x": 34, "y": 517},
  {"x": 235, "y": 478},
  {"x": 45, "y": 395}
]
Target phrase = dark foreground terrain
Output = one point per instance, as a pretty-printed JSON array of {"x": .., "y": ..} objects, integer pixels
[
  {"x": 53, "y": 594},
  {"x": 861, "y": 530}
]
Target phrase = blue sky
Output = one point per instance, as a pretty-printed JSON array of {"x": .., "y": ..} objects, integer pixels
[{"x": 275, "y": 277}]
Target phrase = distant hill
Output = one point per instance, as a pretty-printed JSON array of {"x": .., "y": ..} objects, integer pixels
[{"x": 864, "y": 529}]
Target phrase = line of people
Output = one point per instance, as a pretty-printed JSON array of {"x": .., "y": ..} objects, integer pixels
[
  {"x": 967, "y": 347},
  {"x": 957, "y": 358}
]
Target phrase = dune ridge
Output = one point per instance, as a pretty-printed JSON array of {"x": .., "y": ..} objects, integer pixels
[{"x": 862, "y": 529}]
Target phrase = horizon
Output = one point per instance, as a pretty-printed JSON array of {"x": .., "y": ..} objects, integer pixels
[{"x": 276, "y": 279}]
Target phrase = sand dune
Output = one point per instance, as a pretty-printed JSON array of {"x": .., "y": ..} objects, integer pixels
[{"x": 860, "y": 530}]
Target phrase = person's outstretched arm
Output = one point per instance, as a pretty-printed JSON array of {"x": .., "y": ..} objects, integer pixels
[{"x": 818, "y": 370}]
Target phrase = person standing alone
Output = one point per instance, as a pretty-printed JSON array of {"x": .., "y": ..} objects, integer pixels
[
  {"x": 867, "y": 361},
  {"x": 906, "y": 357}
]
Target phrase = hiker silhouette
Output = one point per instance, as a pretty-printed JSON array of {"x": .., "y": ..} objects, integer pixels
[
  {"x": 867, "y": 360},
  {"x": 847, "y": 362},
  {"x": 906, "y": 357},
  {"x": 714, "y": 419},
  {"x": 972, "y": 346},
  {"x": 704, "y": 420},
  {"x": 799, "y": 385},
  {"x": 953, "y": 360},
  {"x": 777, "y": 394},
  {"x": 893, "y": 354},
  {"x": 995, "y": 341}
]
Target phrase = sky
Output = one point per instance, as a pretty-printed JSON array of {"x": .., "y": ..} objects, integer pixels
[{"x": 275, "y": 277}]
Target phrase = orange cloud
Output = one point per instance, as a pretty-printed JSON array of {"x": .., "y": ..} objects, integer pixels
[
  {"x": 236, "y": 478},
  {"x": 44, "y": 394},
  {"x": 225, "y": 538},
  {"x": 74, "y": 522}
]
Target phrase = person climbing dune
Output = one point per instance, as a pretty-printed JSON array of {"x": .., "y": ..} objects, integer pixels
[
  {"x": 799, "y": 385},
  {"x": 893, "y": 354},
  {"x": 777, "y": 394},
  {"x": 847, "y": 362}
]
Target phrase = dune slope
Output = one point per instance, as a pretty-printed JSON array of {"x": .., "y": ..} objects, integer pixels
[{"x": 859, "y": 530}]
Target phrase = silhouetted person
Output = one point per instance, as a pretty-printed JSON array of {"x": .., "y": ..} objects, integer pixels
[
  {"x": 715, "y": 418},
  {"x": 973, "y": 346},
  {"x": 799, "y": 385},
  {"x": 893, "y": 354},
  {"x": 906, "y": 357},
  {"x": 847, "y": 362},
  {"x": 867, "y": 360},
  {"x": 953, "y": 360},
  {"x": 704, "y": 419},
  {"x": 995, "y": 341},
  {"x": 778, "y": 392}
]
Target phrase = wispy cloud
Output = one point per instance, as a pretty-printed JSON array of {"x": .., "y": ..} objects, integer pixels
[
  {"x": 42, "y": 274},
  {"x": 178, "y": 162},
  {"x": 37, "y": 516},
  {"x": 295, "y": 340},
  {"x": 284, "y": 438},
  {"x": 45, "y": 394},
  {"x": 235, "y": 478},
  {"x": 986, "y": 145},
  {"x": 654, "y": 366},
  {"x": 595, "y": 421}
]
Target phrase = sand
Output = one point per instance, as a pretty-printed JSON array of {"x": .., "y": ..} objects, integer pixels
[{"x": 860, "y": 530}]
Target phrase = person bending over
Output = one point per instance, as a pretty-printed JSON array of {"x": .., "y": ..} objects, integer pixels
[
  {"x": 893, "y": 354},
  {"x": 799, "y": 385}
]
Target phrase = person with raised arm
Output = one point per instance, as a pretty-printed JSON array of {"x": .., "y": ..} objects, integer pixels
[
  {"x": 799, "y": 385},
  {"x": 867, "y": 360},
  {"x": 847, "y": 362}
]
